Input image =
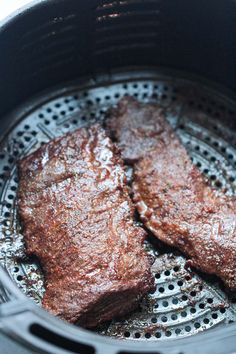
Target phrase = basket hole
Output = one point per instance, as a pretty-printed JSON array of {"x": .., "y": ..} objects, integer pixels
[
  {"x": 155, "y": 96},
  {"x": 158, "y": 335},
  {"x": 223, "y": 149},
  {"x": 164, "y": 319},
  {"x": 206, "y": 320},
  {"x": 210, "y": 301},
  {"x": 168, "y": 333},
  {"x": 193, "y": 293},
  {"x": 201, "y": 306},
  {"x": 171, "y": 287},
  {"x": 218, "y": 184},
  {"x": 187, "y": 328},
  {"x": 214, "y": 316},
  {"x": 57, "y": 105},
  {"x": 127, "y": 334},
  {"x": 177, "y": 331},
  {"x": 183, "y": 314},
  {"x": 161, "y": 289},
  {"x": 180, "y": 283},
  {"x": 167, "y": 273},
  {"x": 147, "y": 335},
  {"x": 175, "y": 301},
  {"x": 154, "y": 320},
  {"x": 165, "y": 304},
  {"x": 157, "y": 276},
  {"x": 19, "y": 277},
  {"x": 176, "y": 268},
  {"x": 193, "y": 310},
  {"x": 222, "y": 310},
  {"x": 46, "y": 122},
  {"x": 174, "y": 317},
  {"x": 137, "y": 335},
  {"x": 184, "y": 298},
  {"x": 197, "y": 325}
]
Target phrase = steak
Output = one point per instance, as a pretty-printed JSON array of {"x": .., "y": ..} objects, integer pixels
[
  {"x": 171, "y": 195},
  {"x": 137, "y": 128},
  {"x": 77, "y": 219}
]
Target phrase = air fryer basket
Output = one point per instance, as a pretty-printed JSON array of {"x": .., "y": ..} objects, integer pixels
[{"x": 151, "y": 50}]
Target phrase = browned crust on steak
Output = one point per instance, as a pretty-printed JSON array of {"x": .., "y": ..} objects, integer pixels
[
  {"x": 174, "y": 200},
  {"x": 136, "y": 127},
  {"x": 77, "y": 219}
]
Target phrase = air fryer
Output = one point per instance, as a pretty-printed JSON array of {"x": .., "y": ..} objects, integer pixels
[{"x": 63, "y": 64}]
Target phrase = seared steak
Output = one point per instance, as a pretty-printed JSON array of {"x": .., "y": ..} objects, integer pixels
[
  {"x": 137, "y": 128},
  {"x": 78, "y": 220},
  {"x": 171, "y": 195}
]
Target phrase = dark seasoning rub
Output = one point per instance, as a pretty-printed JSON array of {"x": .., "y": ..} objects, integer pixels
[
  {"x": 77, "y": 219},
  {"x": 171, "y": 195}
]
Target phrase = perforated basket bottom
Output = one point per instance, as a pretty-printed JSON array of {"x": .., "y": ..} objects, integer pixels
[{"x": 184, "y": 303}]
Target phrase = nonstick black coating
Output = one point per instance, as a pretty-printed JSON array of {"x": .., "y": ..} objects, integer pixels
[{"x": 58, "y": 41}]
